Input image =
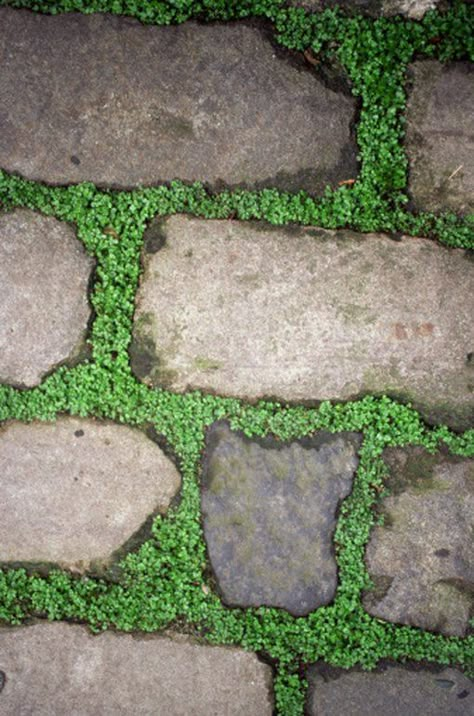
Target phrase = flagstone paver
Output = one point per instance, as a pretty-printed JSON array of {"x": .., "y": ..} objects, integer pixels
[
  {"x": 422, "y": 558},
  {"x": 113, "y": 101},
  {"x": 391, "y": 690},
  {"x": 440, "y": 136},
  {"x": 44, "y": 309},
  {"x": 57, "y": 669},
  {"x": 269, "y": 516},
  {"x": 75, "y": 490},
  {"x": 305, "y": 315}
]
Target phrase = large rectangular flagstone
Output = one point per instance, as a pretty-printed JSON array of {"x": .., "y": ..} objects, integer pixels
[
  {"x": 305, "y": 315},
  {"x": 109, "y": 100},
  {"x": 62, "y": 670}
]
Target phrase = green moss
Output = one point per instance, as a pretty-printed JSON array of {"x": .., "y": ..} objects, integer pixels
[
  {"x": 206, "y": 364},
  {"x": 417, "y": 473},
  {"x": 358, "y": 315}
]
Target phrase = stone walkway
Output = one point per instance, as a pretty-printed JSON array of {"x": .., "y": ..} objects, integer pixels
[{"x": 273, "y": 544}]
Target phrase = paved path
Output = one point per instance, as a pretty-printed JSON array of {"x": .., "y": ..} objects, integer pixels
[{"x": 290, "y": 314}]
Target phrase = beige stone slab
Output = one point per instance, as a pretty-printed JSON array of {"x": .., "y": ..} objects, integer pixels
[
  {"x": 75, "y": 490},
  {"x": 440, "y": 135},
  {"x": 58, "y": 669},
  {"x": 250, "y": 311},
  {"x": 44, "y": 308},
  {"x": 110, "y": 100}
]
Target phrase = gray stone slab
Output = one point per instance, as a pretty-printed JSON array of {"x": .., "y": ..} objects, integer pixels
[
  {"x": 75, "y": 490},
  {"x": 440, "y": 136},
  {"x": 57, "y": 669},
  {"x": 44, "y": 309},
  {"x": 391, "y": 690},
  {"x": 422, "y": 559},
  {"x": 107, "y": 99},
  {"x": 250, "y": 311},
  {"x": 269, "y": 513}
]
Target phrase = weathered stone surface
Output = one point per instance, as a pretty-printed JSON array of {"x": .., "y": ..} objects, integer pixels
[
  {"x": 269, "y": 516},
  {"x": 44, "y": 310},
  {"x": 440, "y": 136},
  {"x": 56, "y": 669},
  {"x": 306, "y": 315},
  {"x": 75, "y": 490},
  {"x": 391, "y": 690},
  {"x": 414, "y": 9},
  {"x": 113, "y": 101},
  {"x": 421, "y": 560}
]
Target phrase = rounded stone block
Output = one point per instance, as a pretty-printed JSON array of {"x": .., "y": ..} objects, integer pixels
[
  {"x": 269, "y": 513},
  {"x": 110, "y": 100},
  {"x": 250, "y": 311},
  {"x": 422, "y": 560},
  {"x": 57, "y": 669},
  {"x": 75, "y": 490},
  {"x": 44, "y": 308},
  {"x": 392, "y": 690}
]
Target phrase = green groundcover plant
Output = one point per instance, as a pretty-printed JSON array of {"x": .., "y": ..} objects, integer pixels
[{"x": 166, "y": 580}]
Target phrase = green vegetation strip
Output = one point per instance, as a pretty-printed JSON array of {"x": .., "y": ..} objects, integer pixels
[{"x": 162, "y": 582}]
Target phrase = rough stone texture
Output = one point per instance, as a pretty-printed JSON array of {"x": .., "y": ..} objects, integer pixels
[
  {"x": 113, "y": 101},
  {"x": 57, "y": 669},
  {"x": 440, "y": 136},
  {"x": 269, "y": 516},
  {"x": 414, "y": 9},
  {"x": 422, "y": 560},
  {"x": 306, "y": 315},
  {"x": 44, "y": 310},
  {"x": 391, "y": 690},
  {"x": 75, "y": 490}
]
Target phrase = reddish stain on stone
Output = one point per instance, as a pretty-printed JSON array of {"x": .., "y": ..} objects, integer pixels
[
  {"x": 400, "y": 331},
  {"x": 424, "y": 329}
]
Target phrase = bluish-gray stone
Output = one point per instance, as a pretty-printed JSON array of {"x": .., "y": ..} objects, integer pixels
[{"x": 269, "y": 513}]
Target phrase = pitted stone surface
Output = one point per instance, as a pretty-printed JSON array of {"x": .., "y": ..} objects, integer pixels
[
  {"x": 75, "y": 490},
  {"x": 269, "y": 516},
  {"x": 119, "y": 103},
  {"x": 56, "y": 669},
  {"x": 44, "y": 309},
  {"x": 390, "y": 690},
  {"x": 422, "y": 559},
  {"x": 440, "y": 136},
  {"x": 306, "y": 315}
]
